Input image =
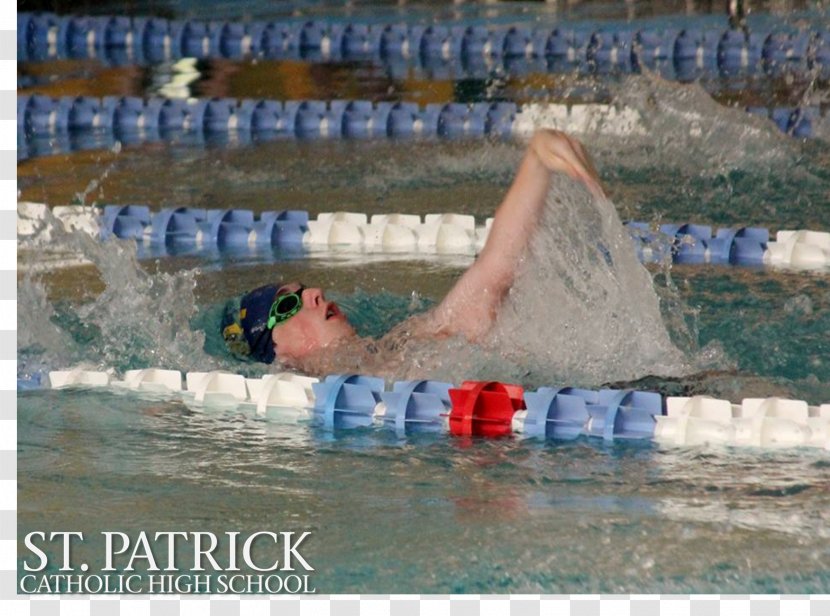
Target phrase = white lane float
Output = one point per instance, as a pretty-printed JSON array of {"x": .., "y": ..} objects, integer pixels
[
  {"x": 77, "y": 377},
  {"x": 799, "y": 249},
  {"x": 153, "y": 380},
  {"x": 274, "y": 394},
  {"x": 216, "y": 388},
  {"x": 336, "y": 229},
  {"x": 756, "y": 422}
]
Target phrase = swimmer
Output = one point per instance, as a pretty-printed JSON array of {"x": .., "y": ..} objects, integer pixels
[{"x": 298, "y": 325}]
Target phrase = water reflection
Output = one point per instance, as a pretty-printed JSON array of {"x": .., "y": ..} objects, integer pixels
[{"x": 511, "y": 514}]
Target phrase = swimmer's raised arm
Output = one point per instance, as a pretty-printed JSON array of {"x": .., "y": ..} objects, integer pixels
[
  {"x": 295, "y": 322},
  {"x": 471, "y": 306}
]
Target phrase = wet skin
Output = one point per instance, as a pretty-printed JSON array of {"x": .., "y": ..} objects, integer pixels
[
  {"x": 471, "y": 307},
  {"x": 318, "y": 324}
]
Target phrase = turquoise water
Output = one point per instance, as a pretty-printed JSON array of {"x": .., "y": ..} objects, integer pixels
[
  {"x": 431, "y": 515},
  {"x": 436, "y": 514}
]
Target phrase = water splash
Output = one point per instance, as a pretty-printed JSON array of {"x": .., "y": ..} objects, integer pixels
[
  {"x": 96, "y": 183},
  {"x": 583, "y": 309},
  {"x": 140, "y": 319},
  {"x": 680, "y": 126},
  {"x": 684, "y": 127}
]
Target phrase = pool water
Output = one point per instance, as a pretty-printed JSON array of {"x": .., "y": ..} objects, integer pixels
[
  {"x": 436, "y": 514},
  {"x": 431, "y": 515}
]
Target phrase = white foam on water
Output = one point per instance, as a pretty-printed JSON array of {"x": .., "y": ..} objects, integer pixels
[
  {"x": 140, "y": 319},
  {"x": 684, "y": 127},
  {"x": 583, "y": 309}
]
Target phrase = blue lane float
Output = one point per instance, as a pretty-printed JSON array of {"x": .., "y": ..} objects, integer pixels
[
  {"x": 690, "y": 51},
  {"x": 47, "y": 126},
  {"x": 347, "y": 401},
  {"x": 567, "y": 413},
  {"x": 558, "y": 413},
  {"x": 623, "y": 414},
  {"x": 125, "y": 221},
  {"x": 693, "y": 243},
  {"x": 154, "y": 119},
  {"x": 416, "y": 406},
  {"x": 173, "y": 225}
]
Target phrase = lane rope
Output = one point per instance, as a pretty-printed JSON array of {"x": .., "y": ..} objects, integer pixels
[
  {"x": 681, "y": 53},
  {"x": 488, "y": 409},
  {"x": 47, "y": 126},
  {"x": 179, "y": 231}
]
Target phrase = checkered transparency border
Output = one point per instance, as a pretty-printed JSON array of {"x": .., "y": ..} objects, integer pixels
[{"x": 341, "y": 605}]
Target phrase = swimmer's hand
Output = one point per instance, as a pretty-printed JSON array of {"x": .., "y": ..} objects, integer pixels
[{"x": 562, "y": 153}]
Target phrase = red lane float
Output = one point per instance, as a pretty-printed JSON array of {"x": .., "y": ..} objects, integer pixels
[{"x": 484, "y": 408}]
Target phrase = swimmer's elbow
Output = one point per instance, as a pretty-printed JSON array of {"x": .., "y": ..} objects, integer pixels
[
  {"x": 472, "y": 305},
  {"x": 473, "y": 321}
]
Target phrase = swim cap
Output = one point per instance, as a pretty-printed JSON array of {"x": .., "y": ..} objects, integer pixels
[{"x": 246, "y": 330}]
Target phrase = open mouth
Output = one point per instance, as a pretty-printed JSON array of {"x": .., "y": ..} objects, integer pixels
[{"x": 332, "y": 311}]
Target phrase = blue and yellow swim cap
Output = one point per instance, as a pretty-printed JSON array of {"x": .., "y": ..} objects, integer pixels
[{"x": 245, "y": 329}]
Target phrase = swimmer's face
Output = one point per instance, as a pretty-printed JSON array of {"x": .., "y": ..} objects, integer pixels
[{"x": 317, "y": 325}]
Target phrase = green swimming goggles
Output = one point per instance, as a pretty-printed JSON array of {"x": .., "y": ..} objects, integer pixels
[{"x": 285, "y": 307}]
